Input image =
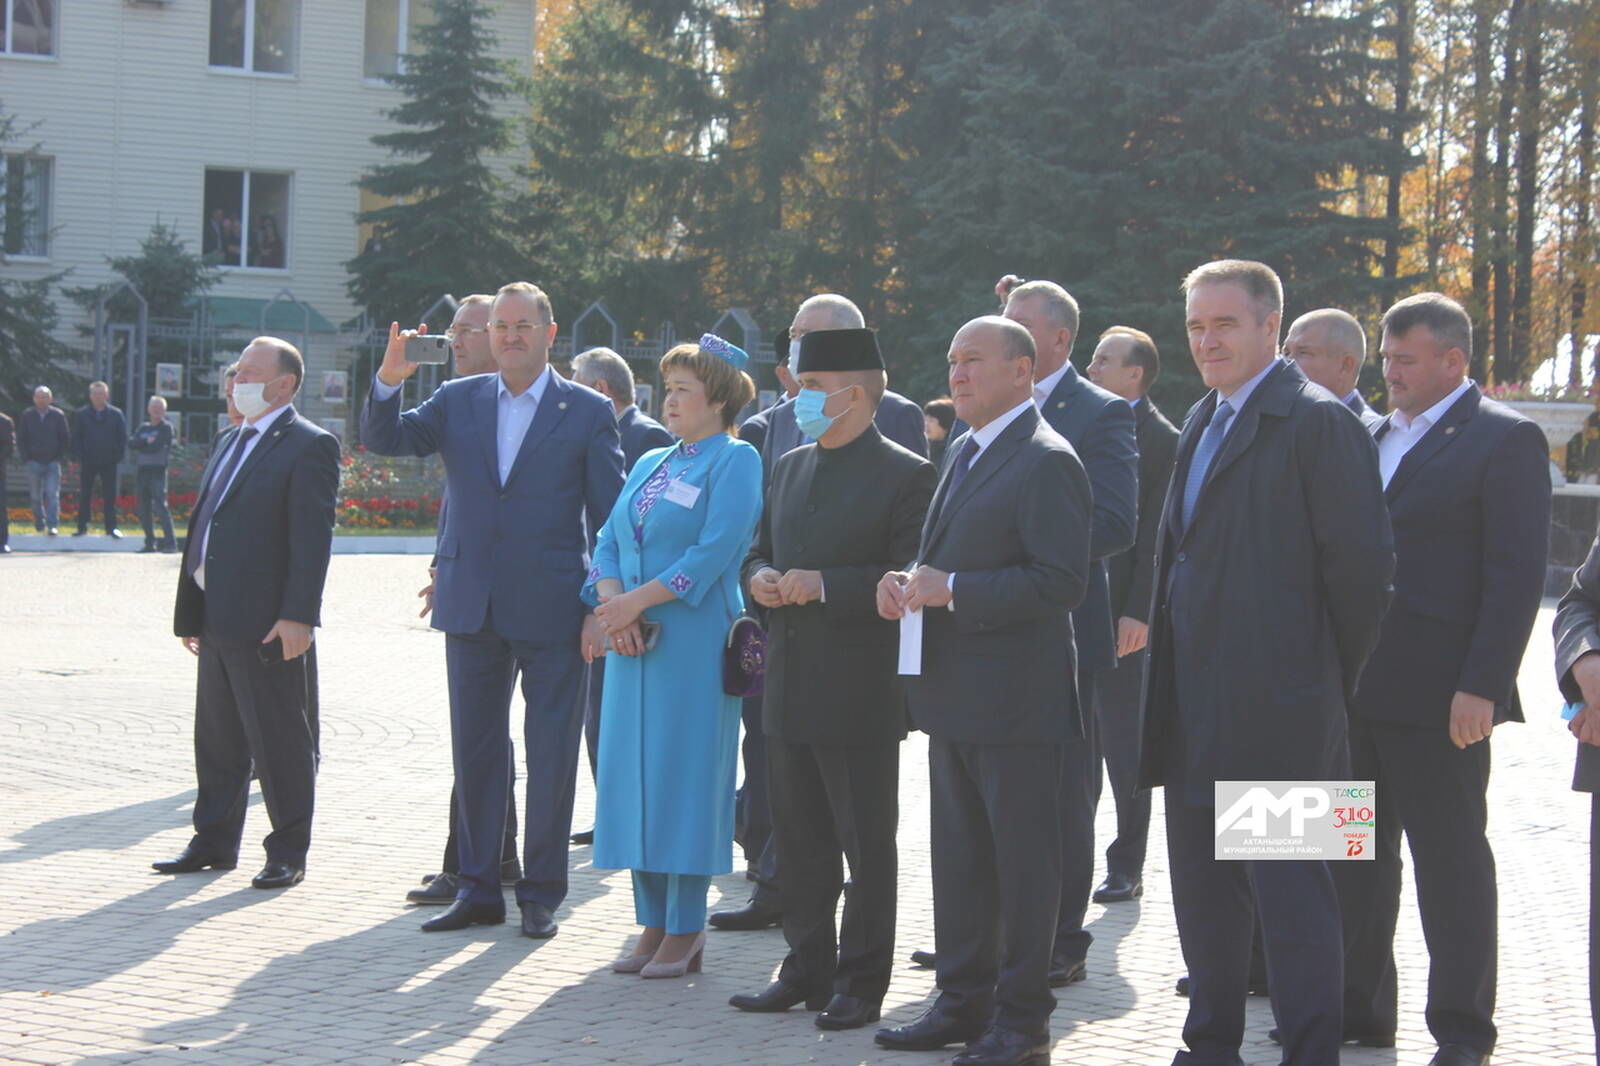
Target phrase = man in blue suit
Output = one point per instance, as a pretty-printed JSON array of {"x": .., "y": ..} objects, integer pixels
[
  {"x": 607, "y": 373},
  {"x": 1330, "y": 346},
  {"x": 529, "y": 456},
  {"x": 1468, "y": 488}
]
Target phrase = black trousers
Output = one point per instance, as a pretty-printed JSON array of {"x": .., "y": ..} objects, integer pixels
[
  {"x": 451, "y": 864},
  {"x": 830, "y": 805},
  {"x": 752, "y": 812},
  {"x": 996, "y": 877},
  {"x": 1081, "y": 784},
  {"x": 1116, "y": 713},
  {"x": 1594, "y": 918},
  {"x": 247, "y": 710},
  {"x": 106, "y": 474},
  {"x": 1216, "y": 903},
  {"x": 1436, "y": 794}
]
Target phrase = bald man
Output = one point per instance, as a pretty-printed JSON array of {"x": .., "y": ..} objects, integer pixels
[{"x": 1330, "y": 347}]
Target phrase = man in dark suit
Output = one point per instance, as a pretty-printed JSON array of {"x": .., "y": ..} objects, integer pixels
[
  {"x": 1003, "y": 561},
  {"x": 7, "y": 442},
  {"x": 1468, "y": 487},
  {"x": 1126, "y": 363},
  {"x": 607, "y": 373},
  {"x": 1577, "y": 637},
  {"x": 249, "y": 597},
  {"x": 529, "y": 458},
  {"x": 1330, "y": 347},
  {"x": 898, "y": 420},
  {"x": 1271, "y": 580},
  {"x": 840, "y": 514},
  {"x": 1100, "y": 427},
  {"x": 470, "y": 354},
  {"x": 99, "y": 441}
]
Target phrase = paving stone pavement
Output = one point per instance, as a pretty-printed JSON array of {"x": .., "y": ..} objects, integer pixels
[{"x": 102, "y": 961}]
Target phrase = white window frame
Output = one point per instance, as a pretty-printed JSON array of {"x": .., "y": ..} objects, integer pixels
[
  {"x": 248, "y": 71},
  {"x": 285, "y": 227},
  {"x": 402, "y": 42},
  {"x": 36, "y": 57},
  {"x": 49, "y": 209}
]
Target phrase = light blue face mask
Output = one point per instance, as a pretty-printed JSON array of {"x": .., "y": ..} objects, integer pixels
[{"x": 808, "y": 411}]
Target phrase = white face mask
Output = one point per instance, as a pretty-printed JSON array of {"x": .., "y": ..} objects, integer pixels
[{"x": 248, "y": 398}]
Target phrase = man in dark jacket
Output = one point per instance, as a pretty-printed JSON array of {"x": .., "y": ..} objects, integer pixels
[
  {"x": 1271, "y": 581},
  {"x": 841, "y": 512},
  {"x": 43, "y": 441},
  {"x": 99, "y": 441}
]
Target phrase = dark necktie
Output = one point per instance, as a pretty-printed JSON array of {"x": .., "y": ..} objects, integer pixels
[
  {"x": 959, "y": 472},
  {"x": 1210, "y": 442},
  {"x": 219, "y": 485}
]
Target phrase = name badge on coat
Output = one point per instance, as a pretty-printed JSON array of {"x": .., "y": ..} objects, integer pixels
[{"x": 681, "y": 494}]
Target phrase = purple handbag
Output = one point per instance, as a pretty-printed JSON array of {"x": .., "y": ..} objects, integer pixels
[{"x": 744, "y": 658}]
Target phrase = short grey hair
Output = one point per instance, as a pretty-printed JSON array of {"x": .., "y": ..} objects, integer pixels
[
  {"x": 1057, "y": 302},
  {"x": 290, "y": 361},
  {"x": 1259, "y": 281},
  {"x": 1446, "y": 320},
  {"x": 1344, "y": 332},
  {"x": 841, "y": 309},
  {"x": 162, "y": 400},
  {"x": 603, "y": 364}
]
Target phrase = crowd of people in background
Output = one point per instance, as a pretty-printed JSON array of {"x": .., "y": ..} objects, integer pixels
[{"x": 1040, "y": 571}]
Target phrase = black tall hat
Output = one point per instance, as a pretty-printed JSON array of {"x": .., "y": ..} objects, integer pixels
[{"x": 825, "y": 350}]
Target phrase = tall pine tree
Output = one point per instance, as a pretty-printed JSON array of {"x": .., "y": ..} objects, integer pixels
[{"x": 454, "y": 223}]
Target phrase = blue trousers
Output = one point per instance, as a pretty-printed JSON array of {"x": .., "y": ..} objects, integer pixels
[
  {"x": 482, "y": 669},
  {"x": 676, "y": 902}
]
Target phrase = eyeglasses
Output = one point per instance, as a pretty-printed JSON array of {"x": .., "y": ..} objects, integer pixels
[
  {"x": 502, "y": 328},
  {"x": 463, "y": 331}
]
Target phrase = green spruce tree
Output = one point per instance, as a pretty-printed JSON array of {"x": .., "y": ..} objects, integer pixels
[{"x": 454, "y": 224}]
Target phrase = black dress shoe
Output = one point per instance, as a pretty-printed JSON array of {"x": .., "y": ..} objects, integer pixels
[
  {"x": 1458, "y": 1055},
  {"x": 848, "y": 1012},
  {"x": 1352, "y": 1037},
  {"x": 1253, "y": 988},
  {"x": 1067, "y": 972},
  {"x": 934, "y": 1030},
  {"x": 1119, "y": 888},
  {"x": 753, "y": 915},
  {"x": 585, "y": 836},
  {"x": 147, "y": 549},
  {"x": 926, "y": 959},
  {"x": 779, "y": 996},
  {"x": 278, "y": 875},
  {"x": 192, "y": 861},
  {"x": 510, "y": 872},
  {"x": 440, "y": 889},
  {"x": 1002, "y": 1047},
  {"x": 464, "y": 912},
  {"x": 537, "y": 921}
]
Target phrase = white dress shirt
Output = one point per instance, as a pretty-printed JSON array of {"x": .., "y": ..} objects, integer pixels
[
  {"x": 1403, "y": 432},
  {"x": 260, "y": 425},
  {"x": 515, "y": 415},
  {"x": 985, "y": 437}
]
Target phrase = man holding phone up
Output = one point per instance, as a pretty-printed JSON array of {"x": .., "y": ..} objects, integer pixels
[{"x": 249, "y": 595}]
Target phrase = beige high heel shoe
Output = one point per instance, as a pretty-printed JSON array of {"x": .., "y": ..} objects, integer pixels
[
  {"x": 690, "y": 963},
  {"x": 631, "y": 963}
]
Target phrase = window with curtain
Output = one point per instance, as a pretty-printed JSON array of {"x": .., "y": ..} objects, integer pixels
[
  {"x": 391, "y": 33},
  {"x": 27, "y": 205},
  {"x": 28, "y": 27},
  {"x": 255, "y": 35}
]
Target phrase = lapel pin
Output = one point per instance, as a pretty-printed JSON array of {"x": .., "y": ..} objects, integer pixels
[
  {"x": 1061, "y": 403},
  {"x": 562, "y": 406},
  {"x": 1449, "y": 430}
]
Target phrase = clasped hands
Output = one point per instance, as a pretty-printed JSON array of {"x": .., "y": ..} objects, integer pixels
[
  {"x": 793, "y": 589},
  {"x": 899, "y": 591},
  {"x": 617, "y": 617},
  {"x": 1585, "y": 725}
]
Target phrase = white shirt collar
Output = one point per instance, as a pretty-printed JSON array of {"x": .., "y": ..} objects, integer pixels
[
  {"x": 1047, "y": 384},
  {"x": 536, "y": 390},
  {"x": 986, "y": 436},
  {"x": 1432, "y": 415},
  {"x": 263, "y": 423}
]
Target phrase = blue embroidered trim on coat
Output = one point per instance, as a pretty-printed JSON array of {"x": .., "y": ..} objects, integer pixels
[
  {"x": 594, "y": 575},
  {"x": 680, "y": 583}
]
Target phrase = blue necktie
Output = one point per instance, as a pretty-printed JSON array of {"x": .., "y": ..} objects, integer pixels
[
  {"x": 958, "y": 473},
  {"x": 1210, "y": 442},
  {"x": 219, "y": 485}
]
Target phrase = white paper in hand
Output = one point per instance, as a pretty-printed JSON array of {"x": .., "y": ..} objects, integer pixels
[{"x": 911, "y": 643}]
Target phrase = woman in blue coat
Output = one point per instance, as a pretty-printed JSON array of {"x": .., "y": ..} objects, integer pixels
[{"x": 670, "y": 554}]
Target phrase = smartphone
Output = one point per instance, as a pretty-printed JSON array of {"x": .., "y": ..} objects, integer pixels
[
  {"x": 651, "y": 631},
  {"x": 271, "y": 652},
  {"x": 428, "y": 348}
]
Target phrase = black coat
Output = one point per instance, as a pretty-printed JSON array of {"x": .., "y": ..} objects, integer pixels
[
  {"x": 854, "y": 513},
  {"x": 7, "y": 441},
  {"x": 1470, "y": 509},
  {"x": 1132, "y": 572},
  {"x": 43, "y": 438},
  {"x": 1285, "y": 567},
  {"x": 640, "y": 433},
  {"x": 897, "y": 418},
  {"x": 1577, "y": 632},
  {"x": 1001, "y": 667},
  {"x": 99, "y": 441},
  {"x": 267, "y": 555}
]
